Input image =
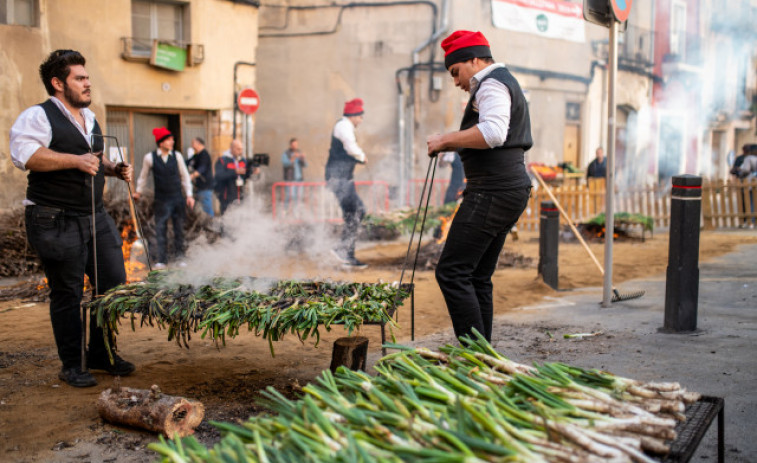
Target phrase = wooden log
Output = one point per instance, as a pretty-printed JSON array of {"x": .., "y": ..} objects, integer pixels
[
  {"x": 150, "y": 410},
  {"x": 351, "y": 352}
]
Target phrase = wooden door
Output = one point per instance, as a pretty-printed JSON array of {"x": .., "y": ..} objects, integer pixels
[{"x": 571, "y": 144}]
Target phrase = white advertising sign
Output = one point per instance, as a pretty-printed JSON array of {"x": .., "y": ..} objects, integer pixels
[{"x": 556, "y": 19}]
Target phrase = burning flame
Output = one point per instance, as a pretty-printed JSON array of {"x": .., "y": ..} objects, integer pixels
[
  {"x": 132, "y": 265},
  {"x": 444, "y": 227},
  {"x": 601, "y": 234}
]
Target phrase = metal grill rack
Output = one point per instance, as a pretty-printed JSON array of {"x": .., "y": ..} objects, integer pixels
[{"x": 699, "y": 417}]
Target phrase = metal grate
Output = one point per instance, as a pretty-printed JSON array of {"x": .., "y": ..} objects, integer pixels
[{"x": 699, "y": 417}]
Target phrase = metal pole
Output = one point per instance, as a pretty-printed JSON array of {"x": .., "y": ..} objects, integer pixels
[
  {"x": 401, "y": 145},
  {"x": 612, "y": 68},
  {"x": 236, "y": 93}
]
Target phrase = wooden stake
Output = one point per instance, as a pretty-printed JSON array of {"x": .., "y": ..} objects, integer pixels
[{"x": 351, "y": 352}]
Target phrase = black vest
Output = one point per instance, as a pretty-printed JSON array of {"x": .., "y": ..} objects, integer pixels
[
  {"x": 503, "y": 167},
  {"x": 166, "y": 175},
  {"x": 69, "y": 189},
  {"x": 340, "y": 164}
]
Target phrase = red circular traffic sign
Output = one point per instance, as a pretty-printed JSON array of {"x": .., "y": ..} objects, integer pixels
[
  {"x": 248, "y": 101},
  {"x": 621, "y": 8}
]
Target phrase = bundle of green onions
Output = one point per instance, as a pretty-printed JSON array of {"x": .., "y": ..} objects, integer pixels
[
  {"x": 221, "y": 308},
  {"x": 463, "y": 404}
]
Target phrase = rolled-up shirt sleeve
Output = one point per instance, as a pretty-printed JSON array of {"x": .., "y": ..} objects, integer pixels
[
  {"x": 344, "y": 131},
  {"x": 494, "y": 103},
  {"x": 146, "y": 168},
  {"x": 30, "y": 132}
]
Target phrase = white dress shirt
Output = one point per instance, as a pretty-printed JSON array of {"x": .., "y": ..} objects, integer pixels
[
  {"x": 344, "y": 131},
  {"x": 186, "y": 180},
  {"x": 493, "y": 102},
  {"x": 32, "y": 131}
]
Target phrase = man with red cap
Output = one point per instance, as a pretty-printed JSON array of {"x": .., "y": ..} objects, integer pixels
[
  {"x": 344, "y": 154},
  {"x": 171, "y": 177},
  {"x": 494, "y": 135}
]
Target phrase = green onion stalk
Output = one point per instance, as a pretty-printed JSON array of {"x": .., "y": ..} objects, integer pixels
[
  {"x": 222, "y": 308},
  {"x": 465, "y": 403}
]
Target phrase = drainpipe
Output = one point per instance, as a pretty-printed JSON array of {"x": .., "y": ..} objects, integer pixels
[{"x": 405, "y": 130}]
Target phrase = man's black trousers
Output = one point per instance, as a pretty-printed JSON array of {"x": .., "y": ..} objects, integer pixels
[
  {"x": 174, "y": 209},
  {"x": 63, "y": 243},
  {"x": 353, "y": 212},
  {"x": 470, "y": 255}
]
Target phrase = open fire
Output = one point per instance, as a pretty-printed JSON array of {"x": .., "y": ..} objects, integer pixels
[
  {"x": 444, "y": 227},
  {"x": 133, "y": 250}
]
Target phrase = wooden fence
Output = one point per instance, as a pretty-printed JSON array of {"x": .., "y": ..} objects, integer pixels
[
  {"x": 724, "y": 204},
  {"x": 729, "y": 204}
]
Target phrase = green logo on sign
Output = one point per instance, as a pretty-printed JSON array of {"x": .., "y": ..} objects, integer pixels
[{"x": 542, "y": 23}]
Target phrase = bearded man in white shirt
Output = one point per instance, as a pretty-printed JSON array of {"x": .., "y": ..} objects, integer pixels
[
  {"x": 494, "y": 134},
  {"x": 60, "y": 143},
  {"x": 344, "y": 155}
]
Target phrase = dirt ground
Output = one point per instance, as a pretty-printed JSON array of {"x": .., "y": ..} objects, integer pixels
[{"x": 43, "y": 419}]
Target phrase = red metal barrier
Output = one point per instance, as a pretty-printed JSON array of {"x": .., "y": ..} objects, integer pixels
[{"x": 314, "y": 202}]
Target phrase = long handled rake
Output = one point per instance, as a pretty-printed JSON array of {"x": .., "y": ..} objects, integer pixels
[
  {"x": 133, "y": 208},
  {"x": 616, "y": 295},
  {"x": 432, "y": 171},
  {"x": 94, "y": 244}
]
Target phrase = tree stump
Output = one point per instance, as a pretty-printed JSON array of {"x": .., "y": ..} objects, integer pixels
[
  {"x": 351, "y": 352},
  {"x": 150, "y": 410}
]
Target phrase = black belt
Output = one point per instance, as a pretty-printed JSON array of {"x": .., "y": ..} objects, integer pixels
[{"x": 65, "y": 212}]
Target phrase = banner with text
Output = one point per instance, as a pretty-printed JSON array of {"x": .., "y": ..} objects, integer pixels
[{"x": 556, "y": 19}]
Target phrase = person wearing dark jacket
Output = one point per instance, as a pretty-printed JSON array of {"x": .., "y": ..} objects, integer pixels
[
  {"x": 494, "y": 134},
  {"x": 232, "y": 171},
  {"x": 58, "y": 143},
  {"x": 598, "y": 166},
  {"x": 201, "y": 168},
  {"x": 344, "y": 155}
]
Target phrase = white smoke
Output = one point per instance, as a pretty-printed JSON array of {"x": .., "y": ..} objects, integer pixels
[{"x": 254, "y": 244}]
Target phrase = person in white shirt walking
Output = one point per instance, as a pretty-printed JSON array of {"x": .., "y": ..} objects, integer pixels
[
  {"x": 171, "y": 179},
  {"x": 344, "y": 155},
  {"x": 494, "y": 134}
]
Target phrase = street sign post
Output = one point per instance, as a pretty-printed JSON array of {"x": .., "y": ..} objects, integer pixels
[
  {"x": 621, "y": 9},
  {"x": 601, "y": 13},
  {"x": 248, "y": 101},
  {"x": 609, "y": 15}
]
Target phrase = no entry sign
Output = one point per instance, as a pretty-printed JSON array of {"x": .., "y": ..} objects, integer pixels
[
  {"x": 248, "y": 101},
  {"x": 621, "y": 9}
]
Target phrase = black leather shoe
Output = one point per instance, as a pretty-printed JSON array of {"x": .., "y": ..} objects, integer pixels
[
  {"x": 119, "y": 367},
  {"x": 77, "y": 378}
]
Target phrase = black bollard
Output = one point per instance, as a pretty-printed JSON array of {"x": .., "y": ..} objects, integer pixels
[
  {"x": 682, "y": 283},
  {"x": 549, "y": 229}
]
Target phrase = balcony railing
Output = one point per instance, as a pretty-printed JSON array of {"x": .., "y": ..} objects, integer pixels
[
  {"x": 140, "y": 49},
  {"x": 635, "y": 48}
]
